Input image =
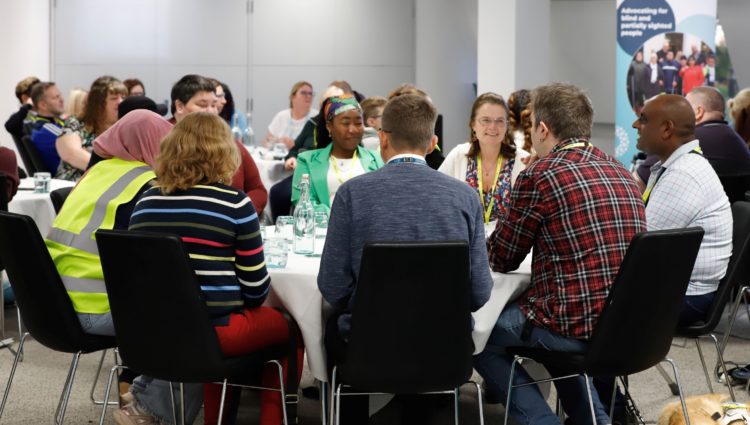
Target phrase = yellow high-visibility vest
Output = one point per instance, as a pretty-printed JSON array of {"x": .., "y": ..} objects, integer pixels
[{"x": 91, "y": 206}]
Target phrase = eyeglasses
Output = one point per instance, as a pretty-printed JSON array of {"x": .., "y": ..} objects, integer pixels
[
  {"x": 486, "y": 122},
  {"x": 306, "y": 93}
]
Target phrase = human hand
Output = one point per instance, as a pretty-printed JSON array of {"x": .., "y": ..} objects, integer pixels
[{"x": 290, "y": 164}]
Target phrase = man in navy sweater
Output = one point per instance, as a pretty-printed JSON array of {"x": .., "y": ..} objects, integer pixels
[{"x": 403, "y": 200}]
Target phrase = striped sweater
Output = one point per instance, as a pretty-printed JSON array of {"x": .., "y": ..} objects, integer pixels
[{"x": 220, "y": 230}]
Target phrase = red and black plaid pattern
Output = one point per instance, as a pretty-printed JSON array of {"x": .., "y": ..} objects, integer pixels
[{"x": 579, "y": 208}]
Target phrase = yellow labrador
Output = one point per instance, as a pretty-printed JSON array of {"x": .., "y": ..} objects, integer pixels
[{"x": 703, "y": 410}]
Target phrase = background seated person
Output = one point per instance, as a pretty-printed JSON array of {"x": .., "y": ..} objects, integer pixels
[
  {"x": 372, "y": 112},
  {"x": 220, "y": 229},
  {"x": 490, "y": 161},
  {"x": 342, "y": 160},
  {"x": 46, "y": 122},
  {"x": 287, "y": 124},
  {"x": 75, "y": 144}
]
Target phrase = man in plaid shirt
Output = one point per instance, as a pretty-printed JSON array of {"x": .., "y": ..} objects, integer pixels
[{"x": 579, "y": 208}]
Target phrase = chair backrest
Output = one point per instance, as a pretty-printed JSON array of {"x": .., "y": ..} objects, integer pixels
[
  {"x": 738, "y": 269},
  {"x": 163, "y": 328},
  {"x": 735, "y": 187},
  {"x": 58, "y": 197},
  {"x": 45, "y": 306},
  {"x": 411, "y": 318},
  {"x": 32, "y": 161},
  {"x": 3, "y": 192},
  {"x": 636, "y": 327}
]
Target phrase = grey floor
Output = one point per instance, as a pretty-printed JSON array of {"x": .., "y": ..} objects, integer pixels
[{"x": 40, "y": 378}]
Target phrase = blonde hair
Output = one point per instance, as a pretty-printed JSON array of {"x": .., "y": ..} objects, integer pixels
[
  {"x": 76, "y": 102},
  {"x": 739, "y": 107},
  {"x": 295, "y": 88},
  {"x": 198, "y": 150}
]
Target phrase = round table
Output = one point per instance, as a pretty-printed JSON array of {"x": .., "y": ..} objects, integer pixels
[{"x": 38, "y": 206}]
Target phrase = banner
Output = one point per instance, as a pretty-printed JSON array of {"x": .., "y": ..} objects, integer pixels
[{"x": 663, "y": 46}]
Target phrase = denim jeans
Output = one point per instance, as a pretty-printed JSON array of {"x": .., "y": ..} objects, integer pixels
[
  {"x": 528, "y": 406},
  {"x": 153, "y": 397},
  {"x": 97, "y": 324}
]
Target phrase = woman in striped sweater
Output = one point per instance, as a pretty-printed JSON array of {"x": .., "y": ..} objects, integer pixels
[{"x": 219, "y": 227}]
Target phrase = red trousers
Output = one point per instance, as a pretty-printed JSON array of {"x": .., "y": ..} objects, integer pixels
[{"x": 247, "y": 332}]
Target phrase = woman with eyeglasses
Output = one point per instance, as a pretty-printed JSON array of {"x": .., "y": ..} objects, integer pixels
[
  {"x": 490, "y": 161},
  {"x": 287, "y": 124}
]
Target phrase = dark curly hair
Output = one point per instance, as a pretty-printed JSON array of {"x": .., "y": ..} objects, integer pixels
[{"x": 519, "y": 115}]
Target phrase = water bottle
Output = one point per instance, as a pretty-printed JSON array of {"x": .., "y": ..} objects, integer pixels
[
  {"x": 304, "y": 220},
  {"x": 248, "y": 135},
  {"x": 236, "y": 132}
]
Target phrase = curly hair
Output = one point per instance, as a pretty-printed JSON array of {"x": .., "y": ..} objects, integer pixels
[
  {"x": 507, "y": 147},
  {"x": 519, "y": 115},
  {"x": 198, "y": 150},
  {"x": 739, "y": 108}
]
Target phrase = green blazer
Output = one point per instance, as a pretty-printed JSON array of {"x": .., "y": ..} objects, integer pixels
[{"x": 315, "y": 163}]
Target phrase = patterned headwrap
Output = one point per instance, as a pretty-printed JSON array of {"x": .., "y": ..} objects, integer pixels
[{"x": 340, "y": 104}]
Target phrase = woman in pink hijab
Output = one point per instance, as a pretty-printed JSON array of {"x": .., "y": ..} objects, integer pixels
[{"x": 104, "y": 199}]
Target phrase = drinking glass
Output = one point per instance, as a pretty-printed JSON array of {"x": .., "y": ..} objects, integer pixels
[
  {"x": 321, "y": 230},
  {"x": 285, "y": 227},
  {"x": 42, "y": 182},
  {"x": 276, "y": 251},
  {"x": 279, "y": 150}
]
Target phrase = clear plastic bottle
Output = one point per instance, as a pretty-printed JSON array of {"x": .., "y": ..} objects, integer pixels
[
  {"x": 304, "y": 220},
  {"x": 236, "y": 131},
  {"x": 248, "y": 135}
]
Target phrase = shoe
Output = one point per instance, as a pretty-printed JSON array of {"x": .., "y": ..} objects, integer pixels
[
  {"x": 625, "y": 417},
  {"x": 131, "y": 415},
  {"x": 126, "y": 398}
]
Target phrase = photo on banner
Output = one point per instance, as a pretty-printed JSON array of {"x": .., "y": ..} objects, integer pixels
[{"x": 663, "y": 46}]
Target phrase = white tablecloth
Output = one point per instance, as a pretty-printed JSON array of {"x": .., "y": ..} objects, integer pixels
[
  {"x": 36, "y": 205},
  {"x": 296, "y": 289},
  {"x": 271, "y": 170}
]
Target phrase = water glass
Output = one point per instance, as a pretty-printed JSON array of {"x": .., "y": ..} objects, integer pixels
[
  {"x": 279, "y": 150},
  {"x": 276, "y": 251},
  {"x": 42, "y": 182},
  {"x": 285, "y": 227},
  {"x": 321, "y": 230}
]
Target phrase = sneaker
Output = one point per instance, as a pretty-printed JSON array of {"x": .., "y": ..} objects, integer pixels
[{"x": 132, "y": 415}]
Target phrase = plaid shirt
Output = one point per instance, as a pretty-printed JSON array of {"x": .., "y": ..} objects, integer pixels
[{"x": 579, "y": 208}]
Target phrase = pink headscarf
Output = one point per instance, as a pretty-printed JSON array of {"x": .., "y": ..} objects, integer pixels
[{"x": 134, "y": 137}]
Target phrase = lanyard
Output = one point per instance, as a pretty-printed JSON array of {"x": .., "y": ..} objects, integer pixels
[
  {"x": 498, "y": 167},
  {"x": 647, "y": 192},
  {"x": 408, "y": 159},
  {"x": 351, "y": 167}
]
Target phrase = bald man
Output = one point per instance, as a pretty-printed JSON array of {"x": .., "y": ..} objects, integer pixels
[
  {"x": 722, "y": 146},
  {"x": 684, "y": 191}
]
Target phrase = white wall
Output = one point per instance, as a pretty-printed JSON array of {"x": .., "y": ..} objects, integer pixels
[
  {"x": 733, "y": 16},
  {"x": 446, "y": 61},
  {"x": 582, "y": 50},
  {"x": 24, "y": 49}
]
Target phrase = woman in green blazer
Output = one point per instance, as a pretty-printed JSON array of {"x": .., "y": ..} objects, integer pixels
[{"x": 344, "y": 158}]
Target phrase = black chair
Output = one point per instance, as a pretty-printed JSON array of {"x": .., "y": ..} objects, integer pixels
[
  {"x": 737, "y": 273},
  {"x": 184, "y": 347},
  {"x": 32, "y": 161},
  {"x": 3, "y": 193},
  {"x": 45, "y": 306},
  {"x": 411, "y": 323},
  {"x": 635, "y": 330},
  {"x": 735, "y": 187},
  {"x": 58, "y": 197}
]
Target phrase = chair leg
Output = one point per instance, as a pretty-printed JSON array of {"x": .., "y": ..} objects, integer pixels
[
  {"x": 16, "y": 359},
  {"x": 324, "y": 405},
  {"x": 221, "y": 403},
  {"x": 733, "y": 316},
  {"x": 338, "y": 405},
  {"x": 182, "y": 402},
  {"x": 720, "y": 358},
  {"x": 591, "y": 399},
  {"x": 290, "y": 399},
  {"x": 455, "y": 406},
  {"x": 612, "y": 400},
  {"x": 20, "y": 331},
  {"x": 703, "y": 364},
  {"x": 96, "y": 380},
  {"x": 65, "y": 396},
  {"x": 174, "y": 403},
  {"x": 105, "y": 403},
  {"x": 480, "y": 402},
  {"x": 333, "y": 407},
  {"x": 516, "y": 360},
  {"x": 679, "y": 387}
]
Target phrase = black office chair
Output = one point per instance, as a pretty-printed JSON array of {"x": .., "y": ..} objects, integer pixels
[
  {"x": 45, "y": 306},
  {"x": 635, "y": 330},
  {"x": 735, "y": 187},
  {"x": 183, "y": 347},
  {"x": 32, "y": 161},
  {"x": 58, "y": 197},
  {"x": 411, "y": 323},
  {"x": 737, "y": 273}
]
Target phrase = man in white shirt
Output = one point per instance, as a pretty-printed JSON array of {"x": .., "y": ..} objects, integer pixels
[{"x": 684, "y": 191}]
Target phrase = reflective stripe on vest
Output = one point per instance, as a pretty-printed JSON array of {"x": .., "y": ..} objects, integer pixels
[{"x": 71, "y": 241}]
